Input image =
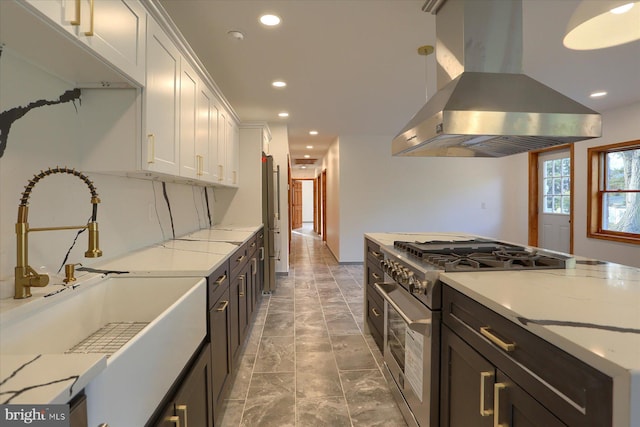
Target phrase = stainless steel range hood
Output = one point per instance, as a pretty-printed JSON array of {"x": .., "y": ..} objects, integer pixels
[{"x": 485, "y": 106}]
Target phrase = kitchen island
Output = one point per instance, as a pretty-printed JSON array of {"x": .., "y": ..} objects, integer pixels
[{"x": 591, "y": 311}]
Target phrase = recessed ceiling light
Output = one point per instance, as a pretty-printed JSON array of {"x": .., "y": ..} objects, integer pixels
[
  {"x": 313, "y": 132},
  {"x": 283, "y": 114},
  {"x": 303, "y": 167},
  {"x": 598, "y": 94},
  {"x": 306, "y": 156},
  {"x": 270, "y": 20},
  {"x": 309, "y": 146},
  {"x": 278, "y": 83}
]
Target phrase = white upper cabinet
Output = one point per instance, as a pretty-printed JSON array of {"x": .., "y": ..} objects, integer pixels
[
  {"x": 189, "y": 165},
  {"x": 160, "y": 148},
  {"x": 232, "y": 155},
  {"x": 222, "y": 147},
  {"x": 204, "y": 134},
  {"x": 113, "y": 29}
]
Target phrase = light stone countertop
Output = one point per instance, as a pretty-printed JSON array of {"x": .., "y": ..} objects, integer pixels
[
  {"x": 25, "y": 378},
  {"x": 591, "y": 311}
]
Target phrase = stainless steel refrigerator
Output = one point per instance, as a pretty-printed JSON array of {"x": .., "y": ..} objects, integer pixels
[{"x": 271, "y": 220}]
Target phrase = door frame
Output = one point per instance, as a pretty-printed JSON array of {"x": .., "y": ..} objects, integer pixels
[{"x": 534, "y": 189}]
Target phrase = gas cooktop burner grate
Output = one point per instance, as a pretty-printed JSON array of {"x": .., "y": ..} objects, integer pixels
[{"x": 478, "y": 254}]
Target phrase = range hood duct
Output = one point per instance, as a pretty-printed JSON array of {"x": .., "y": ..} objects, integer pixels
[{"x": 485, "y": 106}]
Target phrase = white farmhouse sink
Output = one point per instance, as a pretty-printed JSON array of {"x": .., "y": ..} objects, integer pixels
[{"x": 172, "y": 313}]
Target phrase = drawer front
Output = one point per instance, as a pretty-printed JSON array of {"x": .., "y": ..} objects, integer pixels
[
  {"x": 583, "y": 396},
  {"x": 373, "y": 252},
  {"x": 375, "y": 316},
  {"x": 218, "y": 283},
  {"x": 238, "y": 259},
  {"x": 252, "y": 245}
]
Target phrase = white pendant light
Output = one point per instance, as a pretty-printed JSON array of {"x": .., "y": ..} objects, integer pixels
[{"x": 598, "y": 24}]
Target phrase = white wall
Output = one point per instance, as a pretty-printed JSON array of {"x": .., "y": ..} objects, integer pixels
[
  {"x": 332, "y": 165},
  {"x": 383, "y": 193},
  {"x": 618, "y": 125},
  {"x": 132, "y": 213},
  {"x": 307, "y": 201}
]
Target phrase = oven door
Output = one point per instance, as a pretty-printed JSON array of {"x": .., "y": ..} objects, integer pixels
[{"x": 411, "y": 353}]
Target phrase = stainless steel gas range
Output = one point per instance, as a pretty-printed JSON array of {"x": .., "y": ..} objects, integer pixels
[{"x": 412, "y": 310}]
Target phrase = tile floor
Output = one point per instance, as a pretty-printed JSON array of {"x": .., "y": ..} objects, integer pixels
[{"x": 306, "y": 361}]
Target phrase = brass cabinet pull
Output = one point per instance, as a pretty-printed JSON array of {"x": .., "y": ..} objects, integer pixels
[
  {"x": 76, "y": 20},
  {"x": 255, "y": 266},
  {"x": 199, "y": 163},
  {"x": 220, "y": 280},
  {"x": 223, "y": 307},
  {"x": 183, "y": 408},
  {"x": 484, "y": 376},
  {"x": 497, "y": 389},
  {"x": 376, "y": 276},
  {"x": 220, "y": 172},
  {"x": 151, "y": 148},
  {"x": 253, "y": 245},
  {"x": 376, "y": 254},
  {"x": 90, "y": 32},
  {"x": 376, "y": 312},
  {"x": 241, "y": 293},
  {"x": 261, "y": 253},
  {"x": 240, "y": 258},
  {"x": 506, "y": 346},
  {"x": 174, "y": 419}
]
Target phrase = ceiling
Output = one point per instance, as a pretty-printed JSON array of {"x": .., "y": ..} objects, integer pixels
[{"x": 352, "y": 66}]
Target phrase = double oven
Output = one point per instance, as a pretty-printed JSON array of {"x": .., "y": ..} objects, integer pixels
[{"x": 412, "y": 295}]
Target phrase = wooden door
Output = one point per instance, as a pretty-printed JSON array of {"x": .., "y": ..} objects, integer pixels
[
  {"x": 315, "y": 205},
  {"x": 554, "y": 182},
  {"x": 296, "y": 203}
]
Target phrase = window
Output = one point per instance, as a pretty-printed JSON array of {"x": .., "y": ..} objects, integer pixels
[
  {"x": 614, "y": 192},
  {"x": 556, "y": 187}
]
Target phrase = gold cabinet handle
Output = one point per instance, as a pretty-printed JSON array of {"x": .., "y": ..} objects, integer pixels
[
  {"x": 240, "y": 258},
  {"x": 220, "y": 172},
  {"x": 484, "y": 377},
  {"x": 90, "y": 32},
  {"x": 376, "y": 312},
  {"x": 376, "y": 276},
  {"x": 151, "y": 148},
  {"x": 255, "y": 266},
  {"x": 223, "y": 307},
  {"x": 497, "y": 389},
  {"x": 199, "y": 163},
  {"x": 183, "y": 408},
  {"x": 506, "y": 346},
  {"x": 76, "y": 20},
  {"x": 220, "y": 280},
  {"x": 174, "y": 419},
  {"x": 241, "y": 293},
  {"x": 376, "y": 254}
]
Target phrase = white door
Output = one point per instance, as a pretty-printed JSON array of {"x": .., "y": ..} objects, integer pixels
[{"x": 554, "y": 175}]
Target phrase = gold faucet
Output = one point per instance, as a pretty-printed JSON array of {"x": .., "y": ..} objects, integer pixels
[{"x": 25, "y": 276}]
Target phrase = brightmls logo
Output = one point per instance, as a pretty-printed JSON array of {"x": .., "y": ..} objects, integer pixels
[{"x": 35, "y": 415}]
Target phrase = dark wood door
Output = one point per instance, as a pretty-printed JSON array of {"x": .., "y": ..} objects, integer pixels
[
  {"x": 296, "y": 204},
  {"x": 220, "y": 326},
  {"x": 516, "y": 408},
  {"x": 467, "y": 380}
]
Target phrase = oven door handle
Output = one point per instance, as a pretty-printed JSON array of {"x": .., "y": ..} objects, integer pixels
[{"x": 420, "y": 325}]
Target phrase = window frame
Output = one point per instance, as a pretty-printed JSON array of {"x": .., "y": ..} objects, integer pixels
[{"x": 595, "y": 187}]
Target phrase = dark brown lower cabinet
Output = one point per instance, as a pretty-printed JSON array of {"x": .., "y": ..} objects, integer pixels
[
  {"x": 476, "y": 393},
  {"x": 192, "y": 402},
  {"x": 374, "y": 301},
  {"x": 496, "y": 373},
  {"x": 219, "y": 327},
  {"x": 78, "y": 411}
]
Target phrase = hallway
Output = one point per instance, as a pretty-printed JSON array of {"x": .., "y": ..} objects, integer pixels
[{"x": 306, "y": 361}]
